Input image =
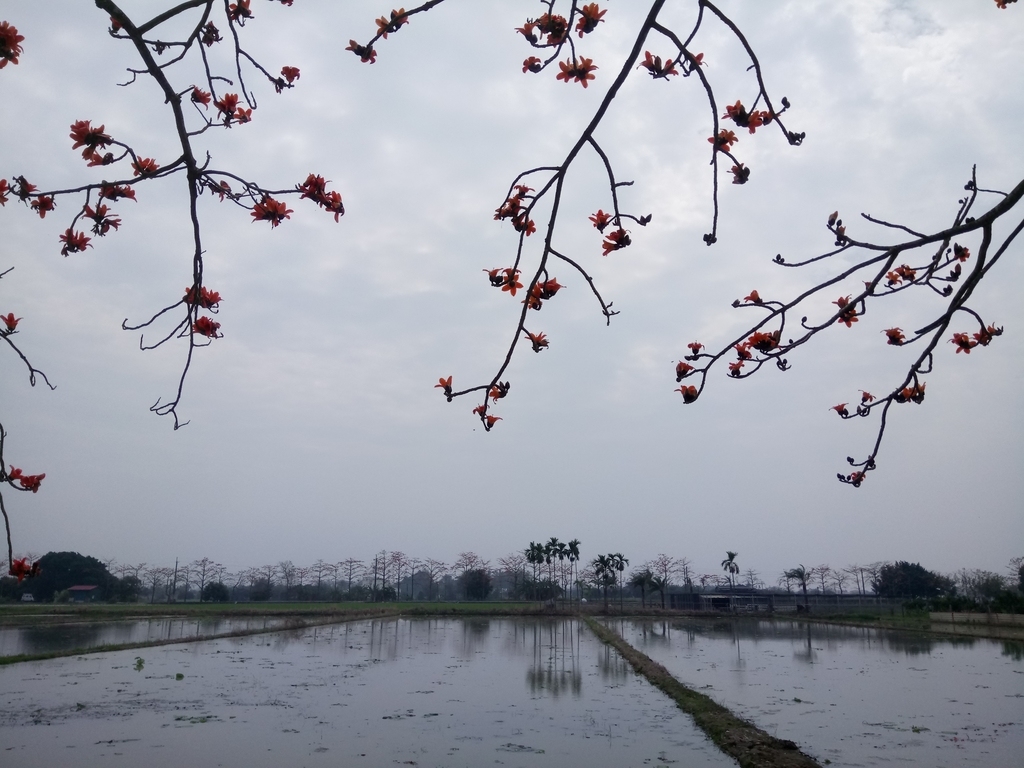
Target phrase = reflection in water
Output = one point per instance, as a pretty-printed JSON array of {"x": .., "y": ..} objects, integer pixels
[
  {"x": 854, "y": 695},
  {"x": 555, "y": 668},
  {"x": 372, "y": 693},
  {"x": 60, "y": 637}
]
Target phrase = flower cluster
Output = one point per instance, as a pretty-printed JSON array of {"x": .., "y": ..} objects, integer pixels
[
  {"x": 541, "y": 291},
  {"x": 74, "y": 242},
  {"x": 288, "y": 76},
  {"x": 21, "y": 569},
  {"x": 744, "y": 119},
  {"x": 894, "y": 336},
  {"x": 145, "y": 166},
  {"x": 555, "y": 27},
  {"x": 207, "y": 299},
  {"x": 27, "y": 482},
  {"x": 911, "y": 394},
  {"x": 507, "y": 279},
  {"x": 386, "y": 26},
  {"x": 965, "y": 343},
  {"x": 616, "y": 240},
  {"x": 315, "y": 188},
  {"x": 10, "y": 44},
  {"x": 539, "y": 341},
  {"x": 84, "y": 135},
  {"x": 364, "y": 52},
  {"x": 901, "y": 274},
  {"x": 269, "y": 209},
  {"x": 210, "y": 35},
  {"x": 656, "y": 68},
  {"x": 103, "y": 221},
  {"x": 581, "y": 70},
  {"x": 723, "y": 141},
  {"x": 230, "y": 111},
  {"x": 239, "y": 12},
  {"x": 514, "y": 209},
  {"x": 204, "y": 326},
  {"x": 847, "y": 311}
]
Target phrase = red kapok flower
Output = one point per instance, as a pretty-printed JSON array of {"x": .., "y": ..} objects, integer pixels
[
  {"x": 579, "y": 70},
  {"x": 682, "y": 369},
  {"x": 43, "y": 205},
  {"x": 145, "y": 166},
  {"x": 848, "y": 315},
  {"x": 445, "y": 385},
  {"x": 21, "y": 569},
  {"x": 291, "y": 74},
  {"x": 590, "y": 17},
  {"x": 84, "y": 135},
  {"x": 510, "y": 281},
  {"x": 239, "y": 12},
  {"x": 532, "y": 64},
  {"x": 269, "y": 209},
  {"x": 695, "y": 348},
  {"x": 538, "y": 340},
  {"x": 724, "y": 140},
  {"x": 200, "y": 97},
  {"x": 492, "y": 420},
  {"x": 116, "y": 192},
  {"x": 10, "y": 44},
  {"x": 204, "y": 326},
  {"x": 4, "y": 189},
  {"x": 385, "y": 26},
  {"x": 74, "y": 242},
  {"x": 654, "y": 65},
  {"x": 207, "y": 299},
  {"x": 10, "y": 321},
  {"x": 753, "y": 298},
  {"x": 601, "y": 220},
  {"x": 689, "y": 393},
  {"x": 554, "y": 26},
  {"x": 364, "y": 52},
  {"x": 103, "y": 222},
  {"x": 740, "y": 173},
  {"x": 211, "y": 34},
  {"x": 964, "y": 343},
  {"x": 28, "y": 482},
  {"x": 894, "y": 336},
  {"x": 841, "y": 410},
  {"x": 613, "y": 241}
]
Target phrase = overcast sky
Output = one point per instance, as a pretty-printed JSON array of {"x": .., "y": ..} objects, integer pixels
[{"x": 315, "y": 428}]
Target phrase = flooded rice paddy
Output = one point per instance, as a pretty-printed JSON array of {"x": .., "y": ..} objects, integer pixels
[
  {"x": 432, "y": 692},
  {"x": 47, "y": 638},
  {"x": 853, "y": 696}
]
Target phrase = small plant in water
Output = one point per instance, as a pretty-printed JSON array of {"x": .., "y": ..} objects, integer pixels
[
  {"x": 139, "y": 663},
  {"x": 179, "y": 676}
]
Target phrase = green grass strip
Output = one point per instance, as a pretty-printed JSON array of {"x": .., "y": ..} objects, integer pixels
[{"x": 742, "y": 740}]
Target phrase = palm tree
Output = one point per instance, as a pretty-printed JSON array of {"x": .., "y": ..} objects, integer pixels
[
  {"x": 730, "y": 567},
  {"x": 642, "y": 580},
  {"x": 619, "y": 563},
  {"x": 574, "y": 556},
  {"x": 801, "y": 575},
  {"x": 604, "y": 569}
]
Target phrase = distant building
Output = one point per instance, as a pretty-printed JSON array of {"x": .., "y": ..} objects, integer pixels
[{"x": 84, "y": 593}]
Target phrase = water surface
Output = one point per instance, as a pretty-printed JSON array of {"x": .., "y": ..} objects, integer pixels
[
  {"x": 855, "y": 696},
  {"x": 432, "y": 692},
  {"x": 45, "y": 638}
]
